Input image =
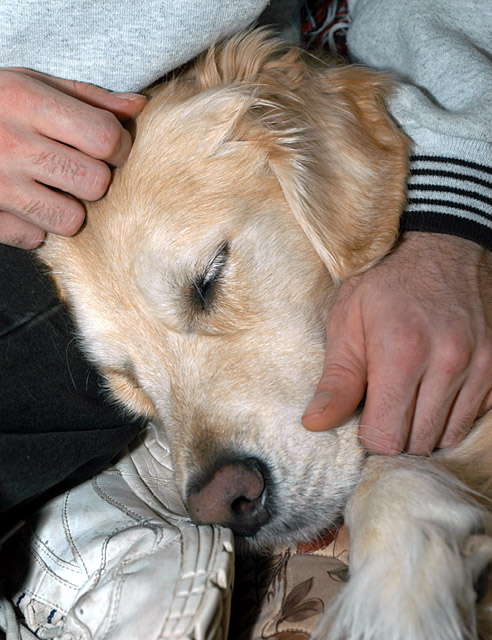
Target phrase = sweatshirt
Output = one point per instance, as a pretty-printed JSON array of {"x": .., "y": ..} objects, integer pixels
[{"x": 440, "y": 52}]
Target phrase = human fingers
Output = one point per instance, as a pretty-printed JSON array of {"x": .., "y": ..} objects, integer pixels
[
  {"x": 438, "y": 407},
  {"x": 40, "y": 108},
  {"x": 27, "y": 164},
  {"x": 65, "y": 168},
  {"x": 386, "y": 420},
  {"x": 397, "y": 359},
  {"x": 473, "y": 400},
  {"x": 18, "y": 233},
  {"x": 343, "y": 381},
  {"x": 51, "y": 139},
  {"x": 37, "y": 205}
]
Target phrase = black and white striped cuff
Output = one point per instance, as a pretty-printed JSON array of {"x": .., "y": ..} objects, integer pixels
[{"x": 449, "y": 195}]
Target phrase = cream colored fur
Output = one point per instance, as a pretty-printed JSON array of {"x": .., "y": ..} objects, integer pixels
[{"x": 269, "y": 177}]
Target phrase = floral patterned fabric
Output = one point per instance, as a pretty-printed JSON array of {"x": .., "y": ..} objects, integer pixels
[{"x": 282, "y": 597}]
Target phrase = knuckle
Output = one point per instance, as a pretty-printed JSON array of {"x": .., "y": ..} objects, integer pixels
[
  {"x": 73, "y": 216},
  {"x": 405, "y": 353},
  {"x": 109, "y": 135},
  {"x": 100, "y": 130},
  {"x": 99, "y": 181},
  {"x": 455, "y": 355},
  {"x": 17, "y": 233},
  {"x": 10, "y": 140},
  {"x": 21, "y": 241},
  {"x": 31, "y": 240},
  {"x": 408, "y": 344},
  {"x": 13, "y": 86}
]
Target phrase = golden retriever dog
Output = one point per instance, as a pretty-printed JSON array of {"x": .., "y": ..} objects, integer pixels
[{"x": 259, "y": 180}]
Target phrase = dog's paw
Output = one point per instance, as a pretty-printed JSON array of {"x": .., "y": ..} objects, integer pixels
[
  {"x": 429, "y": 597},
  {"x": 418, "y": 566}
]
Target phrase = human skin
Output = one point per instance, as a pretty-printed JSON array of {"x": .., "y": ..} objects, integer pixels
[
  {"x": 58, "y": 142},
  {"x": 414, "y": 334}
]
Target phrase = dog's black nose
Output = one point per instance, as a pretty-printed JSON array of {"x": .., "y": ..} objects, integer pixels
[{"x": 233, "y": 496}]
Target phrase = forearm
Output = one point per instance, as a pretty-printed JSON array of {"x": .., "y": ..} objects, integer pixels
[{"x": 443, "y": 102}]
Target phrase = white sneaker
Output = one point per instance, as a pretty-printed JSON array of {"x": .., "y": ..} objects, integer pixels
[{"x": 117, "y": 558}]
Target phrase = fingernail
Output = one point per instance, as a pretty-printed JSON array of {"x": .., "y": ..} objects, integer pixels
[
  {"x": 128, "y": 96},
  {"x": 319, "y": 403}
]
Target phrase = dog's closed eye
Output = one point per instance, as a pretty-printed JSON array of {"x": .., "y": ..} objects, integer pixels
[{"x": 204, "y": 287}]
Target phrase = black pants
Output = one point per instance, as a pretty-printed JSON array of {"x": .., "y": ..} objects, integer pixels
[{"x": 57, "y": 428}]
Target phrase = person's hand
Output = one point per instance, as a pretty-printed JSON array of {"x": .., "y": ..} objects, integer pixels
[
  {"x": 57, "y": 141},
  {"x": 414, "y": 333}
]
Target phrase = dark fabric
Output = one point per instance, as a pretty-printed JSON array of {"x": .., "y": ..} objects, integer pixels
[
  {"x": 324, "y": 25},
  {"x": 436, "y": 222},
  {"x": 56, "y": 423}
]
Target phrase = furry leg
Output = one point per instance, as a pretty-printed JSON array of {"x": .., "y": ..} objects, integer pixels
[{"x": 416, "y": 553}]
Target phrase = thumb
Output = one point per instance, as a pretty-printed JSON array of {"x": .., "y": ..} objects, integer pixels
[{"x": 341, "y": 387}]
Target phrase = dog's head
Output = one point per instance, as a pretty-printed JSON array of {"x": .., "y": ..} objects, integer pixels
[{"x": 259, "y": 179}]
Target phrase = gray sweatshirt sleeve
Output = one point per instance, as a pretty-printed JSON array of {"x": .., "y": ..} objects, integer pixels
[{"x": 441, "y": 52}]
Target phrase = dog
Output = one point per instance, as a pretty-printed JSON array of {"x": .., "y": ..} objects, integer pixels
[{"x": 260, "y": 179}]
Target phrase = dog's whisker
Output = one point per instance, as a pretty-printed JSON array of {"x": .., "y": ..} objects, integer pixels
[{"x": 371, "y": 439}]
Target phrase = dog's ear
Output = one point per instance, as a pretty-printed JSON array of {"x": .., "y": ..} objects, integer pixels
[{"x": 340, "y": 160}]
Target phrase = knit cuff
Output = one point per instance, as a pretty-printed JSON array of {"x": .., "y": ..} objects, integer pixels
[{"x": 449, "y": 195}]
